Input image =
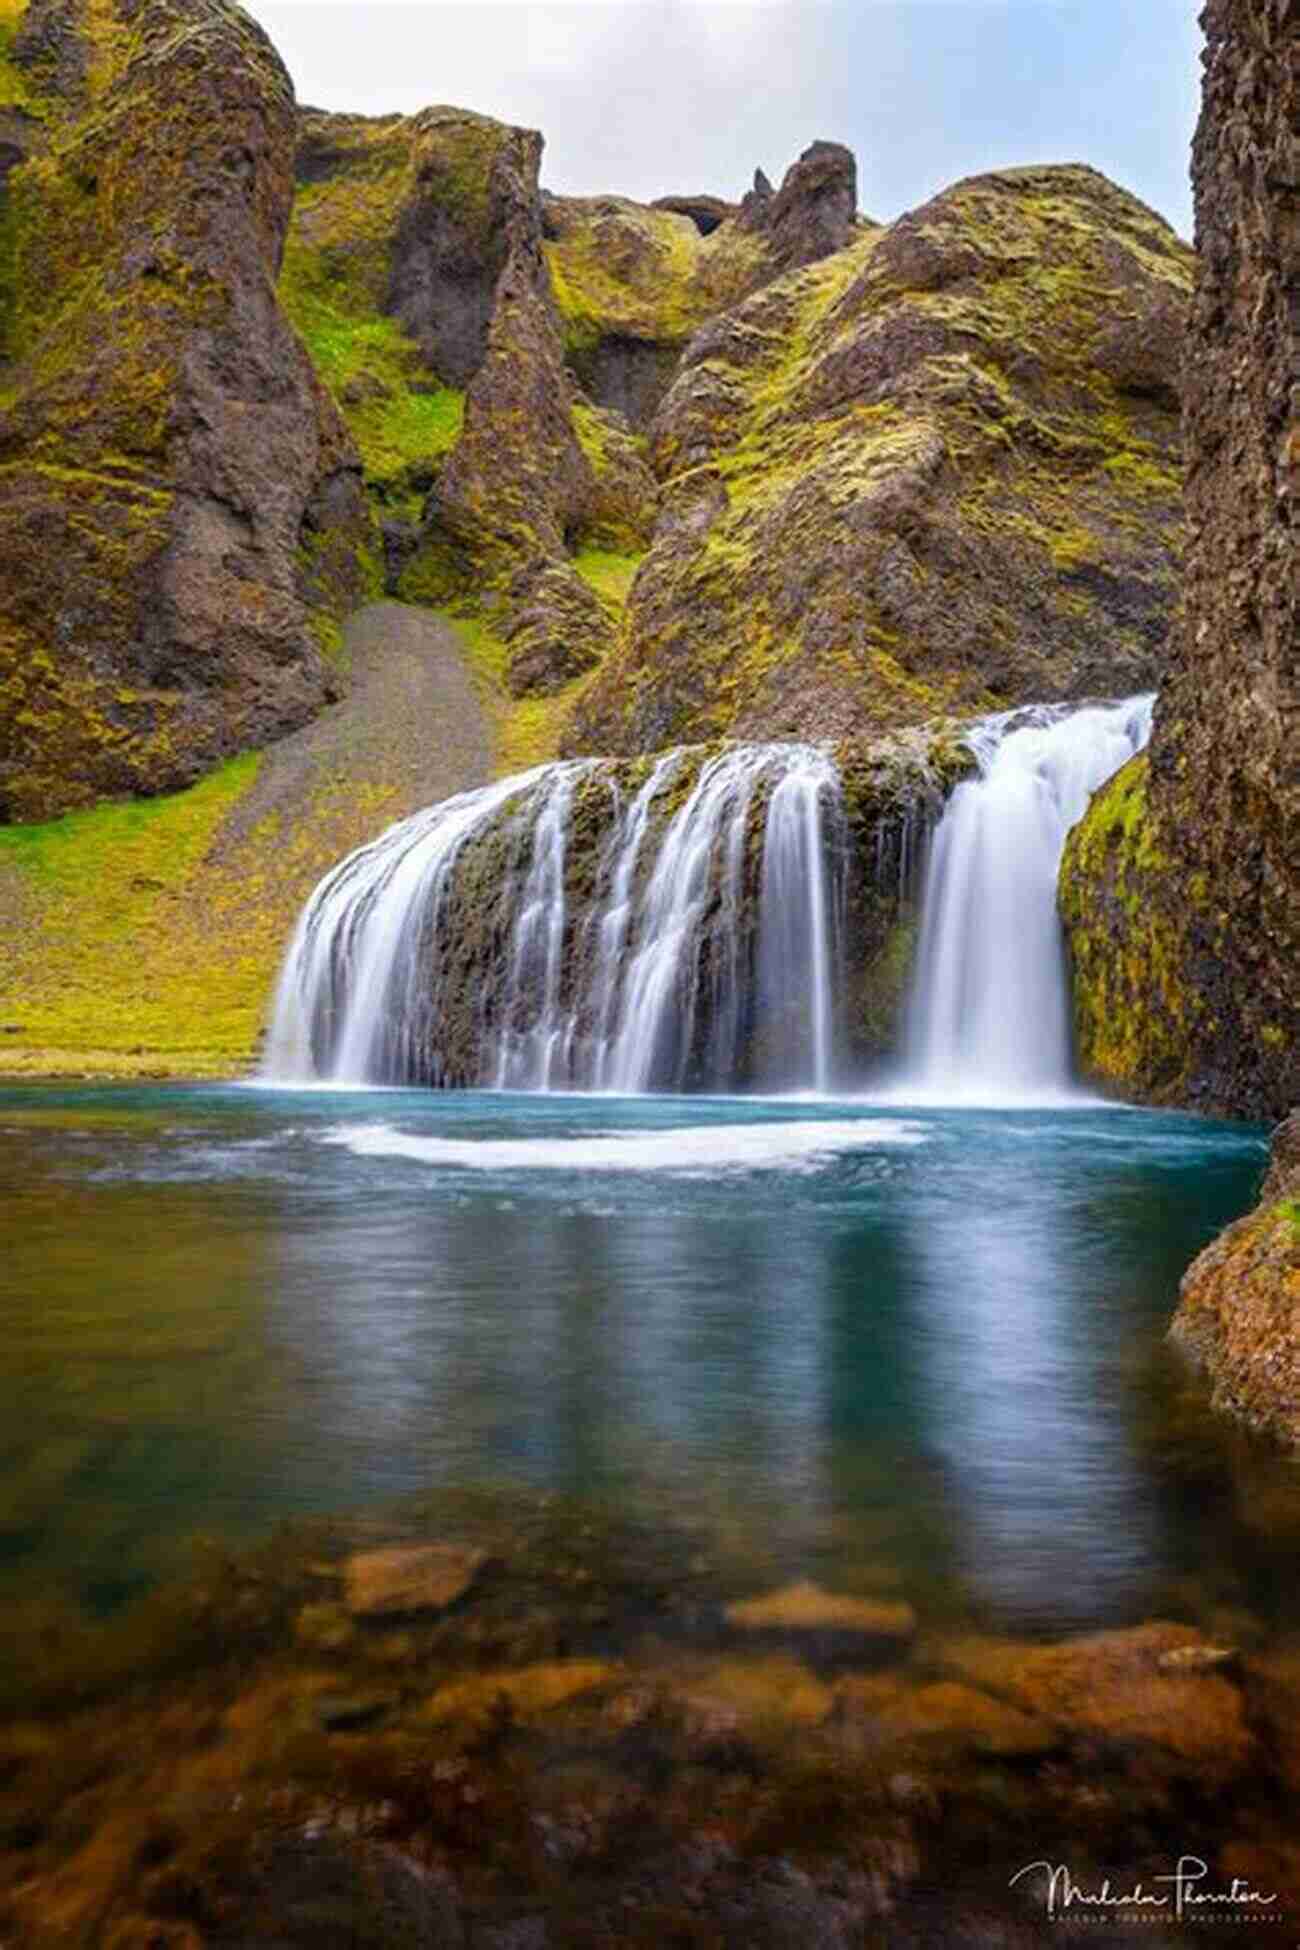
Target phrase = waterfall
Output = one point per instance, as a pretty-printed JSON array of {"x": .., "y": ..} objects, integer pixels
[
  {"x": 989, "y": 1011},
  {"x": 558, "y": 931}
]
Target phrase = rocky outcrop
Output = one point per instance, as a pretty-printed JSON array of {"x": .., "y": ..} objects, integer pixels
[
  {"x": 932, "y": 470},
  {"x": 814, "y": 212},
  {"x": 415, "y": 272},
  {"x": 1241, "y": 1303},
  {"x": 1190, "y": 878},
  {"x": 181, "y": 515},
  {"x": 634, "y": 282},
  {"x": 707, "y": 213},
  {"x": 519, "y": 487}
]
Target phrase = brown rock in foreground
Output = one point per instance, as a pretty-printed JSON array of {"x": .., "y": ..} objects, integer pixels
[
  {"x": 412, "y": 1578},
  {"x": 1119, "y": 1687},
  {"x": 962, "y": 1716}
]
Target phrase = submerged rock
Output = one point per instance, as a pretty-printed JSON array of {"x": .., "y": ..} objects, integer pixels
[
  {"x": 526, "y": 1692},
  {"x": 807, "y": 1607},
  {"x": 1147, "y": 1688},
  {"x": 413, "y": 1578},
  {"x": 962, "y": 1716}
]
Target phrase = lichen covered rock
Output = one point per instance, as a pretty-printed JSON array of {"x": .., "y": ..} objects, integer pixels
[
  {"x": 1239, "y": 1315},
  {"x": 180, "y": 505},
  {"x": 931, "y": 470}
]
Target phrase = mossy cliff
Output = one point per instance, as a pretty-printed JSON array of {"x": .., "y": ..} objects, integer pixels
[
  {"x": 934, "y": 469},
  {"x": 416, "y": 274},
  {"x": 1183, "y": 903},
  {"x": 181, "y": 514},
  {"x": 497, "y": 352}
]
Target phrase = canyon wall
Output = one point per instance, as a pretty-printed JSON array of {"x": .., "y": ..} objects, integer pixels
[{"x": 1181, "y": 891}]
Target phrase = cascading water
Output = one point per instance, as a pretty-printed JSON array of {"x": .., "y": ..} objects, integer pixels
[
  {"x": 989, "y": 1012},
  {"x": 553, "y": 932}
]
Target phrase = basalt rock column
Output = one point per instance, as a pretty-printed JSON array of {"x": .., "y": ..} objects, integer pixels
[{"x": 1182, "y": 890}]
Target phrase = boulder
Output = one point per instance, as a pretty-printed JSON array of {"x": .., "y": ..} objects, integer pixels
[{"x": 1122, "y": 1689}]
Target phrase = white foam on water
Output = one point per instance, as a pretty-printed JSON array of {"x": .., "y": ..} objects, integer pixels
[{"x": 702, "y": 1148}]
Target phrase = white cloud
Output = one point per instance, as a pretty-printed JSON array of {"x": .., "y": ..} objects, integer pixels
[{"x": 644, "y": 96}]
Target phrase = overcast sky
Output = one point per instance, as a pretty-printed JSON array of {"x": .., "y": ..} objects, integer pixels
[{"x": 642, "y": 97}]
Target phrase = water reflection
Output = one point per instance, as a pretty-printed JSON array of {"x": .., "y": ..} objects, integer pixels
[
  {"x": 1025, "y": 1394},
  {"x": 923, "y": 1350}
]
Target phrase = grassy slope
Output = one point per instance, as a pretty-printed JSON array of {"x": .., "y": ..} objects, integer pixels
[
  {"x": 144, "y": 938},
  {"x": 113, "y": 965}
]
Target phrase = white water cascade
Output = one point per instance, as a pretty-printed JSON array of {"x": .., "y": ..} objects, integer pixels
[
  {"x": 988, "y": 1018},
  {"x": 475, "y": 943}
]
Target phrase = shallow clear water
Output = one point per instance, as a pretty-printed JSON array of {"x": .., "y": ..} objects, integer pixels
[{"x": 930, "y": 1338}]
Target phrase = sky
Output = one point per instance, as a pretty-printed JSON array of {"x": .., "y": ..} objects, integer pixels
[{"x": 645, "y": 97}]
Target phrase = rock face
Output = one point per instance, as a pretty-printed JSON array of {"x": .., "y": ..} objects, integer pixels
[
  {"x": 1182, "y": 891},
  {"x": 930, "y": 470},
  {"x": 416, "y": 274},
  {"x": 813, "y": 213},
  {"x": 634, "y": 283},
  {"x": 181, "y": 514},
  {"x": 519, "y": 484},
  {"x": 1240, "y": 1305}
]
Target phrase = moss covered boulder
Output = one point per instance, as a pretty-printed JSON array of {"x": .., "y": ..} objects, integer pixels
[
  {"x": 934, "y": 469},
  {"x": 181, "y": 514},
  {"x": 1240, "y": 1303}
]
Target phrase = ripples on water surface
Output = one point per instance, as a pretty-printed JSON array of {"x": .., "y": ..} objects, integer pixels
[{"x": 923, "y": 1336}]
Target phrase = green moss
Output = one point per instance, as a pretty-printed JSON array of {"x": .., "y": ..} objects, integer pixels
[
  {"x": 1135, "y": 1011},
  {"x": 403, "y": 422},
  {"x": 627, "y": 271},
  {"x": 97, "y": 956},
  {"x": 1145, "y": 472},
  {"x": 15, "y": 89},
  {"x": 146, "y": 835},
  {"x": 611, "y": 575}
]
